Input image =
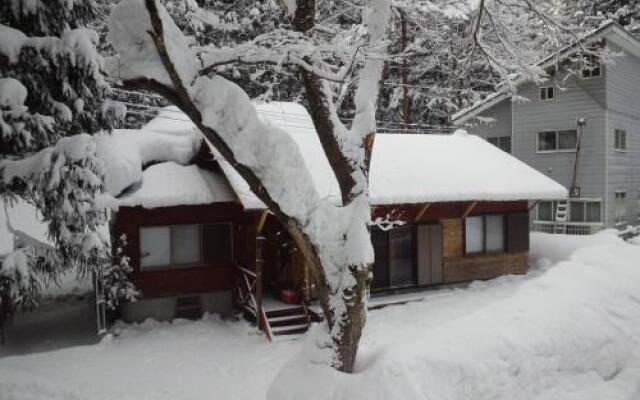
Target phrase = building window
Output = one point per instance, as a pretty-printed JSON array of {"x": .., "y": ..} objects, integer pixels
[
  {"x": 620, "y": 139},
  {"x": 585, "y": 211},
  {"x": 580, "y": 210},
  {"x": 546, "y": 211},
  {"x": 484, "y": 234},
  {"x": 591, "y": 68},
  {"x": 547, "y": 93},
  {"x": 176, "y": 245},
  {"x": 501, "y": 142},
  {"x": 621, "y": 207},
  {"x": 564, "y": 140}
]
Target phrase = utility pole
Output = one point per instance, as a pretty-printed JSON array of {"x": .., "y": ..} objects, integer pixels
[{"x": 575, "y": 189}]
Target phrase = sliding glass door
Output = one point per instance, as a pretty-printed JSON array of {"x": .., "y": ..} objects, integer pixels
[{"x": 395, "y": 262}]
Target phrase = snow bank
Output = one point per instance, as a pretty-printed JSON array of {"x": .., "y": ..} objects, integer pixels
[
  {"x": 547, "y": 248},
  {"x": 188, "y": 185},
  {"x": 570, "y": 333},
  {"x": 183, "y": 360},
  {"x": 124, "y": 152}
]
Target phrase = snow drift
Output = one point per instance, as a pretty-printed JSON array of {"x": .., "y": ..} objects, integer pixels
[{"x": 570, "y": 333}]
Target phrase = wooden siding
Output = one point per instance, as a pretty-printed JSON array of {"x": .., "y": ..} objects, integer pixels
[
  {"x": 185, "y": 279},
  {"x": 439, "y": 211},
  {"x": 581, "y": 98},
  {"x": 500, "y": 126},
  {"x": 623, "y": 101},
  {"x": 460, "y": 268}
]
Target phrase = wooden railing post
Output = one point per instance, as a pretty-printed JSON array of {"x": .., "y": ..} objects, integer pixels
[
  {"x": 260, "y": 314},
  {"x": 259, "y": 295}
]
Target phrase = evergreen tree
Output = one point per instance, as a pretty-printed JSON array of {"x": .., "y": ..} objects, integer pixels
[{"x": 52, "y": 98}]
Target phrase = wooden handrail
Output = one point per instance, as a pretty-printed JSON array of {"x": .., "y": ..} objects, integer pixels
[{"x": 246, "y": 271}]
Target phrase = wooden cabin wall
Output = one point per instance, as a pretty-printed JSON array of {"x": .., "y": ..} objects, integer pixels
[
  {"x": 460, "y": 268},
  {"x": 201, "y": 278}
]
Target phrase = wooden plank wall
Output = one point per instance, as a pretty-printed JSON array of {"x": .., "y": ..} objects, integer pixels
[{"x": 460, "y": 268}]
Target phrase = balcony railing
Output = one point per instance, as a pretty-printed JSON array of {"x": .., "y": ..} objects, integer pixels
[{"x": 568, "y": 228}]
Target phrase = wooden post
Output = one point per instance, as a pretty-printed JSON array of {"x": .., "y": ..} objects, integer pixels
[
  {"x": 422, "y": 211},
  {"x": 260, "y": 314},
  {"x": 469, "y": 209}
]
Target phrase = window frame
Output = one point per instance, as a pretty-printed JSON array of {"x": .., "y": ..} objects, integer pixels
[
  {"x": 554, "y": 205},
  {"x": 500, "y": 142},
  {"x": 200, "y": 263},
  {"x": 600, "y": 68},
  {"x": 620, "y": 218},
  {"x": 616, "y": 141},
  {"x": 585, "y": 202},
  {"x": 557, "y": 141},
  {"x": 546, "y": 90},
  {"x": 484, "y": 235}
]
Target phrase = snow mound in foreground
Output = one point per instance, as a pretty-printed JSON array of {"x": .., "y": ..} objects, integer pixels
[{"x": 570, "y": 333}]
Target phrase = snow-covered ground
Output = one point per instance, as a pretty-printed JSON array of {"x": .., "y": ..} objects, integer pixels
[{"x": 565, "y": 331}]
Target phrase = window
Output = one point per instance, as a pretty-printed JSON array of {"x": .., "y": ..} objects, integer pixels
[
  {"x": 474, "y": 235},
  {"x": 154, "y": 246},
  {"x": 494, "y": 228},
  {"x": 621, "y": 207},
  {"x": 547, "y": 93},
  {"x": 585, "y": 211},
  {"x": 546, "y": 211},
  {"x": 501, "y": 142},
  {"x": 163, "y": 246},
  {"x": 564, "y": 140},
  {"x": 620, "y": 139},
  {"x": 591, "y": 67},
  {"x": 484, "y": 234}
]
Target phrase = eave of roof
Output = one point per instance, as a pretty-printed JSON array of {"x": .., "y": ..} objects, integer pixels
[{"x": 610, "y": 30}]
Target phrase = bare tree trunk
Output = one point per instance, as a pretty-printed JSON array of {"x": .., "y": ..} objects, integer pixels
[{"x": 347, "y": 343}]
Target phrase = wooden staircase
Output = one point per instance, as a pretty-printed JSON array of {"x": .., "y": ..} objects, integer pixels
[
  {"x": 294, "y": 320},
  {"x": 287, "y": 322}
]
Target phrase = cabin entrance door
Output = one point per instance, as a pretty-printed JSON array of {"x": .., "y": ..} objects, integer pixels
[
  {"x": 395, "y": 261},
  {"x": 429, "y": 248}
]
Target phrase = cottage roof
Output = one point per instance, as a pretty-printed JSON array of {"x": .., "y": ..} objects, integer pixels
[
  {"x": 169, "y": 184},
  {"x": 455, "y": 167},
  {"x": 609, "y": 30},
  {"x": 409, "y": 169}
]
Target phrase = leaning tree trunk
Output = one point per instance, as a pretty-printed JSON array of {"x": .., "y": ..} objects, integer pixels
[{"x": 343, "y": 304}]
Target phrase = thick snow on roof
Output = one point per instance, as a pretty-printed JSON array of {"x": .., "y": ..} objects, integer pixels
[
  {"x": 124, "y": 152},
  {"x": 293, "y": 119},
  {"x": 170, "y": 184},
  {"x": 407, "y": 168},
  {"x": 457, "y": 167}
]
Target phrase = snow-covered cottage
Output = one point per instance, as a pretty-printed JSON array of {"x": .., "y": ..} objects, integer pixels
[{"x": 200, "y": 240}]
